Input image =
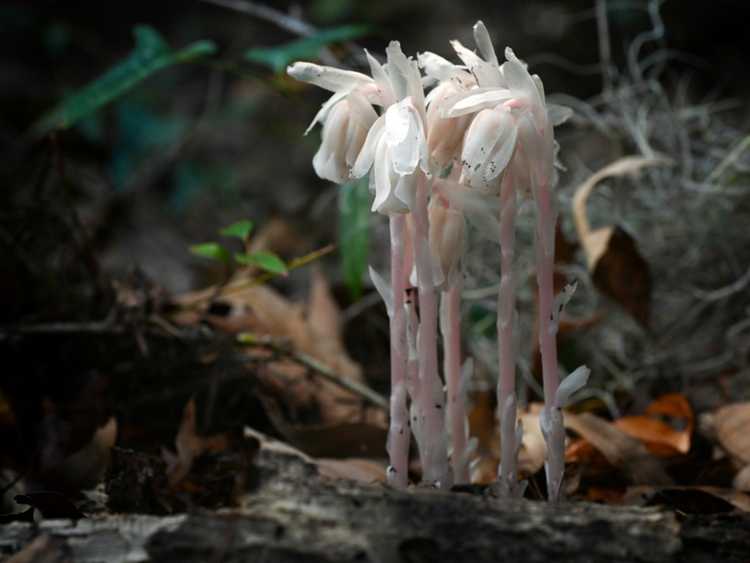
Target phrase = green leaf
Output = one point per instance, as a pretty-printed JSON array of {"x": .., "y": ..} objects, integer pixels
[
  {"x": 240, "y": 229},
  {"x": 354, "y": 217},
  {"x": 277, "y": 58},
  {"x": 264, "y": 260},
  {"x": 151, "y": 54},
  {"x": 212, "y": 250}
]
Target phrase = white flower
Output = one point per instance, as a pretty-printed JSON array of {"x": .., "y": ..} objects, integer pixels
[
  {"x": 346, "y": 116},
  {"x": 396, "y": 146},
  {"x": 512, "y": 124}
]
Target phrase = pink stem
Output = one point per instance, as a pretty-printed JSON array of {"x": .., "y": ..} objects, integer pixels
[
  {"x": 430, "y": 388},
  {"x": 506, "y": 302},
  {"x": 551, "y": 422},
  {"x": 399, "y": 432},
  {"x": 451, "y": 328}
]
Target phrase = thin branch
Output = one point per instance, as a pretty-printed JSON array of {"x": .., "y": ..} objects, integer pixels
[{"x": 314, "y": 365}]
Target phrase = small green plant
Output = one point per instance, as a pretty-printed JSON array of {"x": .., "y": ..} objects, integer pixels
[{"x": 267, "y": 261}]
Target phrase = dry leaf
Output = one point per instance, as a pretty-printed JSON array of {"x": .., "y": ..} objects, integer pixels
[
  {"x": 741, "y": 481},
  {"x": 85, "y": 468},
  {"x": 533, "y": 447},
  {"x": 363, "y": 470},
  {"x": 662, "y": 438},
  {"x": 612, "y": 256},
  {"x": 189, "y": 446},
  {"x": 622, "y": 451},
  {"x": 484, "y": 427},
  {"x": 732, "y": 425}
]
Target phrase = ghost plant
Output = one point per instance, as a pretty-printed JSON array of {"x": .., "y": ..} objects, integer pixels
[{"x": 483, "y": 133}]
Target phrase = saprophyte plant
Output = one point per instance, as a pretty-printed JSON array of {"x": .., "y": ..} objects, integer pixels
[{"x": 480, "y": 139}]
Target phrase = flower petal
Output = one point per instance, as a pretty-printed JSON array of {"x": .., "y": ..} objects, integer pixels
[
  {"x": 484, "y": 43},
  {"x": 478, "y": 99},
  {"x": 380, "y": 77},
  {"x": 325, "y": 109},
  {"x": 327, "y": 77},
  {"x": 437, "y": 67},
  {"x": 367, "y": 155}
]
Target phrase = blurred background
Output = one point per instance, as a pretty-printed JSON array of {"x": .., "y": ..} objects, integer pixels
[{"x": 109, "y": 176}]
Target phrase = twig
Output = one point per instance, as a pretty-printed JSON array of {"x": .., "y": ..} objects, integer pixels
[
  {"x": 311, "y": 363},
  {"x": 236, "y": 286},
  {"x": 267, "y": 13},
  {"x": 282, "y": 20}
]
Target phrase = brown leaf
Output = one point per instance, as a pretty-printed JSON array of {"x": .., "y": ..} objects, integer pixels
[
  {"x": 363, "y": 470},
  {"x": 85, "y": 468},
  {"x": 622, "y": 451},
  {"x": 189, "y": 446},
  {"x": 732, "y": 424},
  {"x": 741, "y": 481},
  {"x": 666, "y": 428},
  {"x": 617, "y": 268}
]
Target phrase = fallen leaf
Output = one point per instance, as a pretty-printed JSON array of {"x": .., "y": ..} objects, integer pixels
[
  {"x": 189, "y": 446},
  {"x": 363, "y": 470},
  {"x": 616, "y": 266},
  {"x": 732, "y": 425},
  {"x": 666, "y": 428},
  {"x": 85, "y": 468},
  {"x": 622, "y": 451},
  {"x": 741, "y": 481}
]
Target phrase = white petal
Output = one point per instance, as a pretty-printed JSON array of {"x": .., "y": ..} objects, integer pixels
[
  {"x": 558, "y": 114},
  {"x": 326, "y": 108},
  {"x": 327, "y": 77},
  {"x": 329, "y": 162},
  {"x": 502, "y": 151},
  {"x": 436, "y": 66},
  {"x": 481, "y": 138},
  {"x": 478, "y": 99},
  {"x": 484, "y": 43},
  {"x": 406, "y": 189},
  {"x": 408, "y": 74},
  {"x": 487, "y": 74},
  {"x": 405, "y": 137},
  {"x": 383, "y": 288},
  {"x": 385, "y": 201},
  {"x": 367, "y": 155},
  {"x": 361, "y": 111},
  {"x": 381, "y": 79},
  {"x": 574, "y": 382}
]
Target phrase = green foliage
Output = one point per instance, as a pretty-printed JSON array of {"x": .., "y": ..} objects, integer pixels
[
  {"x": 240, "y": 230},
  {"x": 151, "y": 54},
  {"x": 354, "y": 216},
  {"x": 212, "y": 250},
  {"x": 265, "y": 260},
  {"x": 308, "y": 48}
]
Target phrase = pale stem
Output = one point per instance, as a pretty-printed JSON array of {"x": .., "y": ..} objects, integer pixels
[
  {"x": 554, "y": 434},
  {"x": 399, "y": 432},
  {"x": 430, "y": 389},
  {"x": 506, "y": 303},
  {"x": 450, "y": 324}
]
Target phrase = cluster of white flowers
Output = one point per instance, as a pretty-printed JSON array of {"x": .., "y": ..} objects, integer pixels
[{"x": 483, "y": 128}]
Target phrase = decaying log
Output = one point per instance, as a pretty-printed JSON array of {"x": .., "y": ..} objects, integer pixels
[{"x": 294, "y": 515}]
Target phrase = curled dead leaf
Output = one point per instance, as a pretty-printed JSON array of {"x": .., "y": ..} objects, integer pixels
[
  {"x": 616, "y": 266},
  {"x": 622, "y": 451},
  {"x": 665, "y": 428}
]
